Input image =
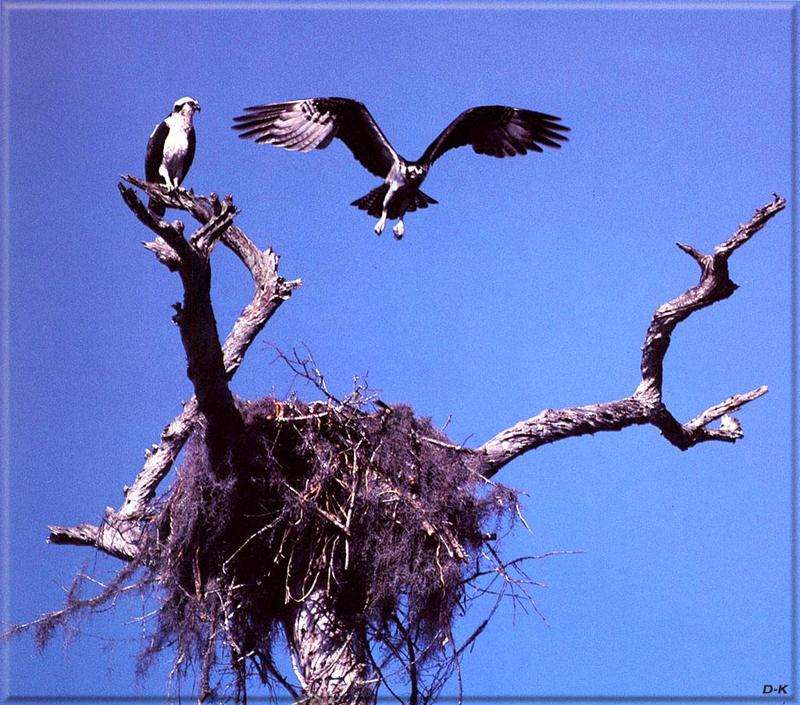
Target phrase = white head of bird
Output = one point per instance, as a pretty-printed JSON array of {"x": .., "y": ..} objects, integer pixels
[{"x": 186, "y": 105}]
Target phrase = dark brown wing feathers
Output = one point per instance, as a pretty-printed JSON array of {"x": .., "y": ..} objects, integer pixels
[
  {"x": 192, "y": 146},
  {"x": 499, "y": 131},
  {"x": 303, "y": 125},
  {"x": 154, "y": 152}
]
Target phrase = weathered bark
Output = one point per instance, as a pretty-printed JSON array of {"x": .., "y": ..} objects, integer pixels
[
  {"x": 195, "y": 316},
  {"x": 645, "y": 405},
  {"x": 330, "y": 662},
  {"x": 118, "y": 533}
]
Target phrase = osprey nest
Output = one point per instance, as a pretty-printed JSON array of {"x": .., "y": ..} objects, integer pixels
[
  {"x": 342, "y": 524},
  {"x": 379, "y": 509}
]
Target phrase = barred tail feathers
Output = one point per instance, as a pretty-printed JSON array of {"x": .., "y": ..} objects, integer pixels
[
  {"x": 373, "y": 201},
  {"x": 421, "y": 200}
]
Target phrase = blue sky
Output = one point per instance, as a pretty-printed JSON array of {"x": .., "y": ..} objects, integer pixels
[{"x": 529, "y": 286}]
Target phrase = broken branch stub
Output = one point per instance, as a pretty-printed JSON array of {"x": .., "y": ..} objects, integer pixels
[
  {"x": 645, "y": 405},
  {"x": 353, "y": 526},
  {"x": 121, "y": 527}
]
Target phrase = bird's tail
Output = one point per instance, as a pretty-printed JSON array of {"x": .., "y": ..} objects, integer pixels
[
  {"x": 421, "y": 200},
  {"x": 156, "y": 207},
  {"x": 373, "y": 201}
]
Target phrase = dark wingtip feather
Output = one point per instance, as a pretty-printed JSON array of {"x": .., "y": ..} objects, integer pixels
[
  {"x": 549, "y": 142},
  {"x": 545, "y": 116},
  {"x": 265, "y": 106},
  {"x": 548, "y": 132},
  {"x": 250, "y": 133},
  {"x": 557, "y": 126},
  {"x": 273, "y": 107}
]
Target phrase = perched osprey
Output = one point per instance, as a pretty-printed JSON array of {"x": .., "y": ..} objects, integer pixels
[
  {"x": 303, "y": 125},
  {"x": 170, "y": 150}
]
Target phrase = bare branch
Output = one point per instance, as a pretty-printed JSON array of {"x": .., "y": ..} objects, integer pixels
[
  {"x": 195, "y": 316},
  {"x": 271, "y": 290},
  {"x": 724, "y": 408},
  {"x": 158, "y": 460},
  {"x": 746, "y": 231},
  {"x": 553, "y": 425},
  {"x": 164, "y": 253},
  {"x": 80, "y": 535},
  {"x": 645, "y": 406},
  {"x": 205, "y": 238},
  {"x": 114, "y": 536},
  {"x": 169, "y": 233}
]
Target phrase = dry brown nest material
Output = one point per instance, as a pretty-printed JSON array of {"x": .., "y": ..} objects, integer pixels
[{"x": 371, "y": 503}]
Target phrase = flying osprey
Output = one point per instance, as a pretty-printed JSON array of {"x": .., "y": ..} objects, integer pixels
[
  {"x": 303, "y": 125},
  {"x": 170, "y": 150}
]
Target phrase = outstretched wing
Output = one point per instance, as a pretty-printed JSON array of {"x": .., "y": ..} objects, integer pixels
[
  {"x": 303, "y": 125},
  {"x": 498, "y": 131},
  {"x": 155, "y": 151}
]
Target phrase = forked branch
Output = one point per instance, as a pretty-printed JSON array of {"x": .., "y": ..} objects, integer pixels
[
  {"x": 645, "y": 405},
  {"x": 283, "y": 504},
  {"x": 117, "y": 535}
]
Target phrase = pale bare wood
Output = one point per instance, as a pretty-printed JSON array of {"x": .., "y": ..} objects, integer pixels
[
  {"x": 332, "y": 663},
  {"x": 328, "y": 660},
  {"x": 645, "y": 405},
  {"x": 120, "y": 529}
]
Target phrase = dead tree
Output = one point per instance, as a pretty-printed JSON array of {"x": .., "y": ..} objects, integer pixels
[{"x": 348, "y": 528}]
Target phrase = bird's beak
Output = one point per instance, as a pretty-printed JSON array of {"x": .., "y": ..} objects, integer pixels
[{"x": 197, "y": 107}]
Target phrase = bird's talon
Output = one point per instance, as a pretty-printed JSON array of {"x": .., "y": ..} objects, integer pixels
[
  {"x": 489, "y": 129},
  {"x": 170, "y": 149}
]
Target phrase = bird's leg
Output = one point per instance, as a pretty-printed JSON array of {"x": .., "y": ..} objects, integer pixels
[
  {"x": 387, "y": 199},
  {"x": 381, "y": 224},
  {"x": 399, "y": 229},
  {"x": 164, "y": 173}
]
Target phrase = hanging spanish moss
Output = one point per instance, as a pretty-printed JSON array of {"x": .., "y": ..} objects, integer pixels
[{"x": 372, "y": 504}]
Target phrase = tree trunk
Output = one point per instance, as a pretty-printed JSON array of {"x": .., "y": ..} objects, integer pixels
[{"x": 330, "y": 661}]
